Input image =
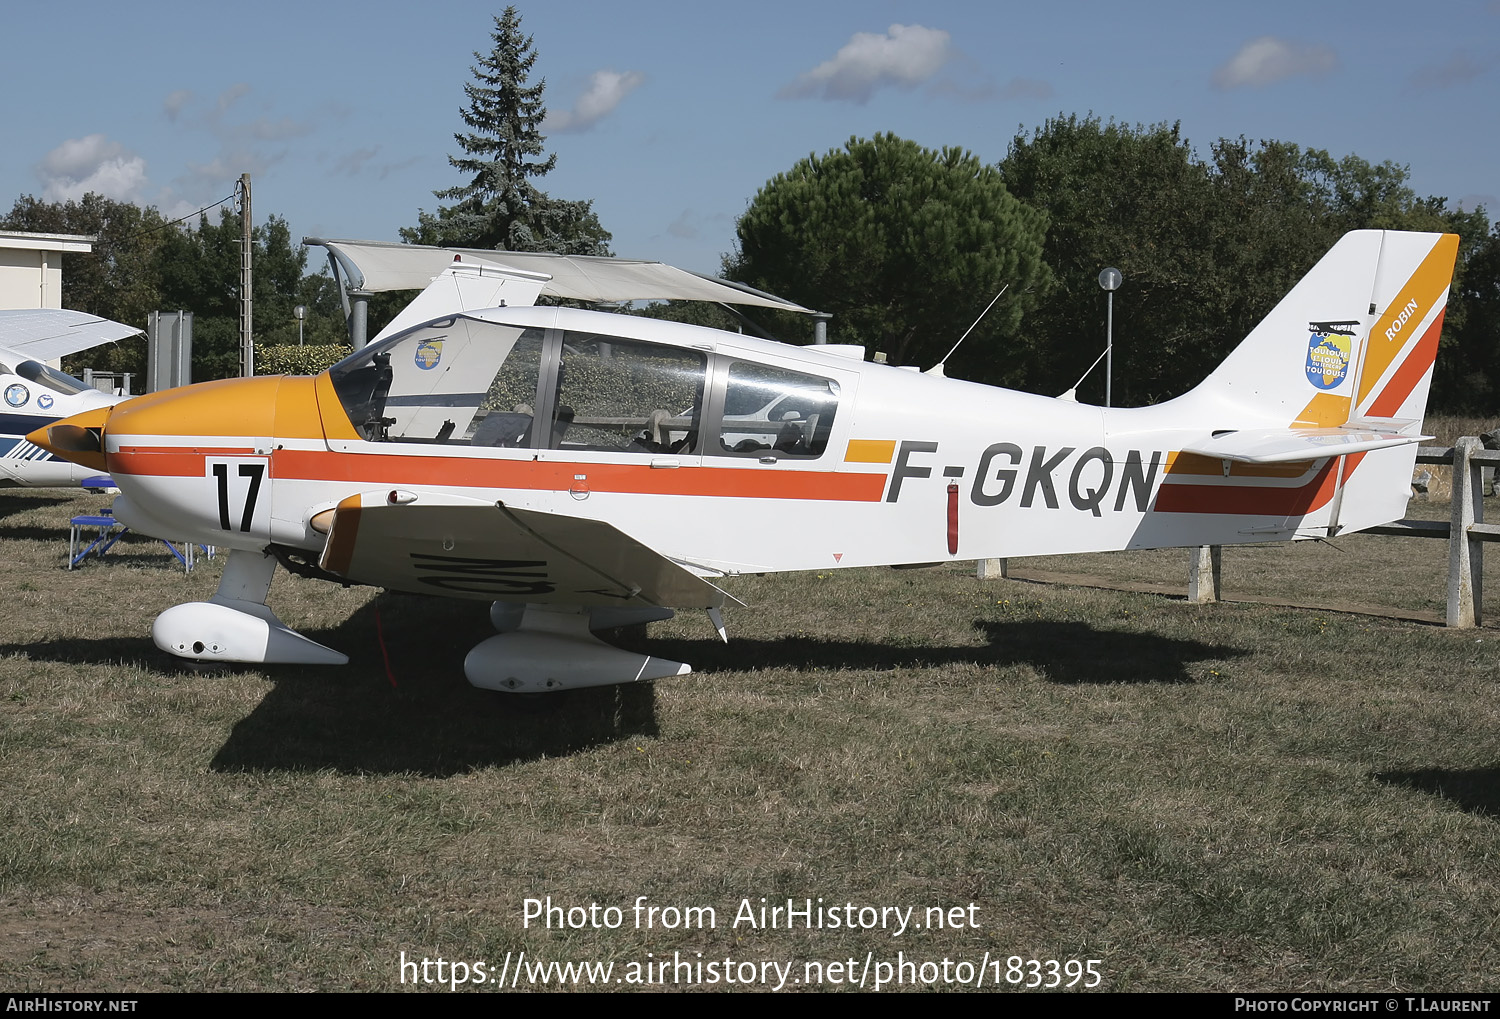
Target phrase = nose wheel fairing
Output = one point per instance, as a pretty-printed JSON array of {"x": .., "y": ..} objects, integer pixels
[{"x": 235, "y": 625}]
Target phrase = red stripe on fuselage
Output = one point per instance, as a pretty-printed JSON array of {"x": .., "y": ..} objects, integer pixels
[{"x": 1288, "y": 502}]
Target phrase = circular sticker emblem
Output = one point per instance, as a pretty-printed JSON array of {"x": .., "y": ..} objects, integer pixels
[
  {"x": 16, "y": 395},
  {"x": 44, "y": 401},
  {"x": 429, "y": 353}
]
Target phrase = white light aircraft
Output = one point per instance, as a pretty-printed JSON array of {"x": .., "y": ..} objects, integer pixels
[
  {"x": 37, "y": 395},
  {"x": 583, "y": 469}
]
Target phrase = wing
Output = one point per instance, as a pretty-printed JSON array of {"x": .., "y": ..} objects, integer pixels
[
  {"x": 489, "y": 551},
  {"x": 49, "y": 333}
]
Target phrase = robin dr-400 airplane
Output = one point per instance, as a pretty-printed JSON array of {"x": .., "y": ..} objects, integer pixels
[{"x": 582, "y": 469}]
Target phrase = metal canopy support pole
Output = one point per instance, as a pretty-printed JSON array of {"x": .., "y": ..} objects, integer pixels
[
  {"x": 820, "y": 327},
  {"x": 1465, "y": 551},
  {"x": 359, "y": 317},
  {"x": 338, "y": 283}
]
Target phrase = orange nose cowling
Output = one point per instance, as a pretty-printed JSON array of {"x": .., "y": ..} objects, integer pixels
[
  {"x": 79, "y": 438},
  {"x": 256, "y": 408},
  {"x": 222, "y": 408}
]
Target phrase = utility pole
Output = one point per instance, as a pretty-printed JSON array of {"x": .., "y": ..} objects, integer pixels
[{"x": 247, "y": 336}]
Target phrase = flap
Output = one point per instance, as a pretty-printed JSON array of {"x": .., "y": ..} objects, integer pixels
[
  {"x": 489, "y": 551},
  {"x": 1280, "y": 445}
]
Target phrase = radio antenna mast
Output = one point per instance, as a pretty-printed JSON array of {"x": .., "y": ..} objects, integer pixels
[{"x": 937, "y": 369}]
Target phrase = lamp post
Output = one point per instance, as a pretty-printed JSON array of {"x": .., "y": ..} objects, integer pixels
[
  {"x": 1110, "y": 279},
  {"x": 299, "y": 313}
]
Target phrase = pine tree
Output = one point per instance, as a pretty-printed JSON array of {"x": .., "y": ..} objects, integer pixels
[{"x": 504, "y": 150}]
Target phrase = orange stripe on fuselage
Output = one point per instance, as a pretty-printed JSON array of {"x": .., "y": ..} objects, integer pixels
[
  {"x": 870, "y": 451},
  {"x": 532, "y": 475}
]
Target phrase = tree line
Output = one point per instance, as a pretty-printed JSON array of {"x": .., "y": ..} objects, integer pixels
[
  {"x": 905, "y": 246},
  {"x": 142, "y": 263}
]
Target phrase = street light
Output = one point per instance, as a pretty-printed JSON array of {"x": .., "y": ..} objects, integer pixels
[
  {"x": 299, "y": 313},
  {"x": 1110, "y": 279}
]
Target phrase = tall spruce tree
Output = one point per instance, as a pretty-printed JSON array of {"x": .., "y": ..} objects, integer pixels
[{"x": 500, "y": 206}]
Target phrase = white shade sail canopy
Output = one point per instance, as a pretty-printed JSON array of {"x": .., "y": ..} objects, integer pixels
[{"x": 377, "y": 266}]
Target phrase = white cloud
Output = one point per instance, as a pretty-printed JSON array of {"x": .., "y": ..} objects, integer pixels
[
  {"x": 1460, "y": 68},
  {"x": 266, "y": 129},
  {"x": 352, "y": 162},
  {"x": 607, "y": 89},
  {"x": 229, "y": 97},
  {"x": 1264, "y": 61},
  {"x": 684, "y": 226},
  {"x": 1026, "y": 88},
  {"x": 905, "y": 57},
  {"x": 235, "y": 137},
  {"x": 175, "y": 101},
  {"x": 92, "y": 163}
]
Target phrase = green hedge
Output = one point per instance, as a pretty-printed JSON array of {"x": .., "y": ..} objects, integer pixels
[{"x": 286, "y": 360}]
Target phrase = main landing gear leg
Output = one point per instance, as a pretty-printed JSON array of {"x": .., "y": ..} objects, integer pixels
[
  {"x": 235, "y": 625},
  {"x": 552, "y": 648}
]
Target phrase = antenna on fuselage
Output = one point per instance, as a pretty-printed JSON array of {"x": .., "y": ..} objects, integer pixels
[
  {"x": 1072, "y": 394},
  {"x": 937, "y": 369}
]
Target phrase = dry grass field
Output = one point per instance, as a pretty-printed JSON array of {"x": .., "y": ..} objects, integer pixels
[{"x": 1243, "y": 796}]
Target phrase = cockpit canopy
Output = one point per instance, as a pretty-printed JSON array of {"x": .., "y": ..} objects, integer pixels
[
  {"x": 48, "y": 378},
  {"x": 480, "y": 383}
]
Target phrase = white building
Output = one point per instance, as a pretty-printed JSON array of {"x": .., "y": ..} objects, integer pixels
[{"x": 31, "y": 267}]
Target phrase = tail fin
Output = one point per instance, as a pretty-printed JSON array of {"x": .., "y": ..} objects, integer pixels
[
  {"x": 1334, "y": 381},
  {"x": 467, "y": 286},
  {"x": 1353, "y": 342}
]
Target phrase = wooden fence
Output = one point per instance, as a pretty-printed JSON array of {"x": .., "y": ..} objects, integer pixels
[{"x": 1465, "y": 531}]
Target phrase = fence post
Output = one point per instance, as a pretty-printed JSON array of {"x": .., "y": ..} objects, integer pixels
[
  {"x": 1465, "y": 554},
  {"x": 1203, "y": 573},
  {"x": 994, "y": 569}
]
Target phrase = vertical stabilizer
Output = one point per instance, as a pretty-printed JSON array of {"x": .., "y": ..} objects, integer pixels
[
  {"x": 468, "y": 286},
  {"x": 1354, "y": 340}
]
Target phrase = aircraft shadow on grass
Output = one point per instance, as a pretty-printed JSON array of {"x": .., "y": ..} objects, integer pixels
[
  {"x": 1476, "y": 790},
  {"x": 419, "y": 714},
  {"x": 409, "y": 708},
  {"x": 13, "y": 504},
  {"x": 1064, "y": 652}
]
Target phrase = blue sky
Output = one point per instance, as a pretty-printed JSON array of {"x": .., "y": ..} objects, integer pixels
[{"x": 670, "y": 116}]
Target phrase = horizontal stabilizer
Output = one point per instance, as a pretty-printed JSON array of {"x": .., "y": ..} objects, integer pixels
[
  {"x": 472, "y": 549},
  {"x": 1281, "y": 445}
]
